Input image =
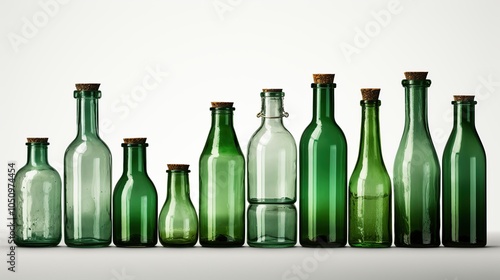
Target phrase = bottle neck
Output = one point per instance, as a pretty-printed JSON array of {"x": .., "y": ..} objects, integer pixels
[
  {"x": 87, "y": 114},
  {"x": 222, "y": 130},
  {"x": 37, "y": 154},
  {"x": 323, "y": 102},
  {"x": 416, "y": 104},
  {"x": 134, "y": 158},
  {"x": 272, "y": 112},
  {"x": 178, "y": 184},
  {"x": 370, "y": 131},
  {"x": 464, "y": 115}
]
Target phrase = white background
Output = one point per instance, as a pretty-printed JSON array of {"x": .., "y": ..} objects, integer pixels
[{"x": 160, "y": 63}]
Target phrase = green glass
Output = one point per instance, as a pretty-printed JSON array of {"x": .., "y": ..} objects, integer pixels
[
  {"x": 323, "y": 175},
  {"x": 272, "y": 178},
  {"x": 135, "y": 201},
  {"x": 222, "y": 183},
  {"x": 370, "y": 220},
  {"x": 464, "y": 181},
  {"x": 37, "y": 188},
  {"x": 178, "y": 223},
  {"x": 416, "y": 174},
  {"x": 87, "y": 177}
]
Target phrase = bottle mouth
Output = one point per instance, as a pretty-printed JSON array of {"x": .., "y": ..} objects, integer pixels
[
  {"x": 272, "y": 94},
  {"x": 464, "y": 102},
  {"x": 87, "y": 94},
  {"x": 333, "y": 85},
  {"x": 370, "y": 102},
  {"x": 424, "y": 83}
]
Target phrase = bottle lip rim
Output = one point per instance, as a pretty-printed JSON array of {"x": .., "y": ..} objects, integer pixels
[
  {"x": 272, "y": 94},
  {"x": 464, "y": 102},
  {"x": 370, "y": 102},
  {"x": 37, "y": 143},
  {"x": 134, "y": 145},
  {"x": 328, "y": 85},
  {"x": 222, "y": 109},
  {"x": 87, "y": 94},
  {"x": 178, "y": 171},
  {"x": 425, "y": 83}
]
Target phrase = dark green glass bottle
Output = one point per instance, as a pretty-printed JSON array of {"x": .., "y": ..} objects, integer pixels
[
  {"x": 323, "y": 172},
  {"x": 416, "y": 172},
  {"x": 222, "y": 183},
  {"x": 464, "y": 180},
  {"x": 37, "y": 188},
  {"x": 178, "y": 223},
  {"x": 135, "y": 201},
  {"x": 370, "y": 221}
]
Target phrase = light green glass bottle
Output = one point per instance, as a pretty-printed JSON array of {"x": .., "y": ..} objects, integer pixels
[
  {"x": 87, "y": 177},
  {"x": 370, "y": 221},
  {"x": 135, "y": 201},
  {"x": 37, "y": 188},
  {"x": 178, "y": 223}
]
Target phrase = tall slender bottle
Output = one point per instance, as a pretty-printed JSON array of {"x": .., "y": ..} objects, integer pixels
[
  {"x": 135, "y": 201},
  {"x": 370, "y": 221},
  {"x": 272, "y": 178},
  {"x": 323, "y": 172},
  {"x": 37, "y": 189},
  {"x": 87, "y": 177},
  {"x": 416, "y": 172},
  {"x": 222, "y": 183},
  {"x": 464, "y": 180}
]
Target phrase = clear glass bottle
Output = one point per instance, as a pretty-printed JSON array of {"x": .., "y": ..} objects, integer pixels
[
  {"x": 87, "y": 177},
  {"x": 178, "y": 223},
  {"x": 222, "y": 183},
  {"x": 464, "y": 180},
  {"x": 416, "y": 172},
  {"x": 370, "y": 220},
  {"x": 323, "y": 172},
  {"x": 135, "y": 201},
  {"x": 272, "y": 178},
  {"x": 37, "y": 188}
]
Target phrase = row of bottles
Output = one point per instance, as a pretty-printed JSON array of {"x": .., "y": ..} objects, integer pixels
[{"x": 324, "y": 216}]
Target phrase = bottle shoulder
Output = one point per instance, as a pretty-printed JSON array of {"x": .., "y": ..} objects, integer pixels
[
  {"x": 88, "y": 146},
  {"x": 264, "y": 136},
  {"x": 37, "y": 173},
  {"x": 329, "y": 133},
  {"x": 135, "y": 185}
]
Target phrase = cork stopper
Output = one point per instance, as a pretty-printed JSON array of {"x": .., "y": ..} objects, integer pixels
[
  {"x": 87, "y": 87},
  {"x": 370, "y": 94},
  {"x": 38, "y": 140},
  {"x": 272, "y": 90},
  {"x": 463, "y": 97},
  {"x": 134, "y": 140},
  {"x": 180, "y": 167},
  {"x": 416, "y": 75},
  {"x": 222, "y": 104},
  {"x": 323, "y": 78}
]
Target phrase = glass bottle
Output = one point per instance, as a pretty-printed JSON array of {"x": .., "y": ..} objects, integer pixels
[
  {"x": 464, "y": 180},
  {"x": 222, "y": 183},
  {"x": 416, "y": 172},
  {"x": 37, "y": 188},
  {"x": 323, "y": 172},
  {"x": 370, "y": 221},
  {"x": 178, "y": 223},
  {"x": 272, "y": 178},
  {"x": 87, "y": 177},
  {"x": 135, "y": 201}
]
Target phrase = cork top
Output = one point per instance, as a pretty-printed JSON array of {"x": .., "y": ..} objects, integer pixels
[
  {"x": 463, "y": 97},
  {"x": 38, "y": 140},
  {"x": 370, "y": 94},
  {"x": 134, "y": 140},
  {"x": 272, "y": 90},
  {"x": 87, "y": 87},
  {"x": 323, "y": 78},
  {"x": 222, "y": 104},
  {"x": 416, "y": 75},
  {"x": 180, "y": 167}
]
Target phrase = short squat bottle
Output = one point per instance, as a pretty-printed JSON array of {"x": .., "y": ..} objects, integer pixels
[
  {"x": 464, "y": 180},
  {"x": 416, "y": 172},
  {"x": 135, "y": 201},
  {"x": 272, "y": 178},
  {"x": 222, "y": 183},
  {"x": 37, "y": 189},
  {"x": 178, "y": 223},
  {"x": 323, "y": 172},
  {"x": 87, "y": 177},
  {"x": 370, "y": 221}
]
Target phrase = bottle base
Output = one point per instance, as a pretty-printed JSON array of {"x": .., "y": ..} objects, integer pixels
[
  {"x": 271, "y": 244},
  {"x": 371, "y": 245},
  {"x": 36, "y": 244},
  {"x": 322, "y": 241},
  {"x": 178, "y": 243},
  {"x": 416, "y": 245},
  {"x": 87, "y": 243},
  {"x": 464, "y": 244}
]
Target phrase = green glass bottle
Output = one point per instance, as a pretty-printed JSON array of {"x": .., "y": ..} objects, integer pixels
[
  {"x": 87, "y": 177},
  {"x": 178, "y": 223},
  {"x": 222, "y": 183},
  {"x": 416, "y": 172},
  {"x": 323, "y": 172},
  {"x": 135, "y": 201},
  {"x": 272, "y": 178},
  {"x": 37, "y": 188},
  {"x": 370, "y": 221},
  {"x": 464, "y": 180}
]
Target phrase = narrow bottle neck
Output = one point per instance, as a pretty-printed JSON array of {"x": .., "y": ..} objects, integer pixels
[
  {"x": 37, "y": 154},
  {"x": 370, "y": 131},
  {"x": 272, "y": 112},
  {"x": 178, "y": 184},
  {"x": 464, "y": 115},
  {"x": 416, "y": 105},
  {"x": 134, "y": 158},
  {"x": 87, "y": 113},
  {"x": 323, "y": 102}
]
